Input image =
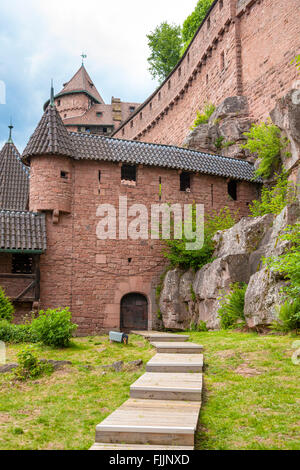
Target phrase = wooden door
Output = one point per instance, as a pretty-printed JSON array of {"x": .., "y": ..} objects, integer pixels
[{"x": 134, "y": 312}]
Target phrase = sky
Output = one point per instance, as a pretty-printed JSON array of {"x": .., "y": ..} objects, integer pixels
[{"x": 40, "y": 40}]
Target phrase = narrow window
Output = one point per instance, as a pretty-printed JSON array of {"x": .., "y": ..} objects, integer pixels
[
  {"x": 232, "y": 189},
  {"x": 128, "y": 173},
  {"x": 160, "y": 188},
  {"x": 159, "y": 96},
  {"x": 222, "y": 61},
  {"x": 169, "y": 84},
  {"x": 208, "y": 23},
  {"x": 188, "y": 58},
  {"x": 105, "y": 130},
  {"x": 99, "y": 114},
  {"x": 221, "y": 4},
  {"x": 207, "y": 79},
  {"x": 141, "y": 116},
  {"x": 99, "y": 182},
  {"x": 131, "y": 124},
  {"x": 179, "y": 72},
  {"x": 58, "y": 102},
  {"x": 185, "y": 181},
  {"x": 123, "y": 131},
  {"x": 129, "y": 260},
  {"x": 132, "y": 109},
  {"x": 21, "y": 264},
  {"x": 151, "y": 106},
  {"x": 65, "y": 115},
  {"x": 64, "y": 175}
]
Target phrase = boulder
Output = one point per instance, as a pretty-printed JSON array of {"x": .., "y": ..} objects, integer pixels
[
  {"x": 173, "y": 309},
  {"x": 198, "y": 139},
  {"x": 231, "y": 107},
  {"x": 185, "y": 286},
  {"x": 289, "y": 216},
  {"x": 286, "y": 115},
  {"x": 232, "y": 129},
  {"x": 244, "y": 237},
  {"x": 213, "y": 281},
  {"x": 262, "y": 296},
  {"x": 7, "y": 368}
]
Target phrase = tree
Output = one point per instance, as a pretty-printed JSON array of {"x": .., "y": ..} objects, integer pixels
[
  {"x": 193, "y": 22},
  {"x": 165, "y": 43}
]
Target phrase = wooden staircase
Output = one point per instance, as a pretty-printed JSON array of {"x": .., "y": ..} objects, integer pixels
[{"x": 163, "y": 411}]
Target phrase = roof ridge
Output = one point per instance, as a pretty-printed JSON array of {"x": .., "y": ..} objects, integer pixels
[{"x": 157, "y": 145}]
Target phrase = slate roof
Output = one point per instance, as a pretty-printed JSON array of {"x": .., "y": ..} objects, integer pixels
[
  {"x": 22, "y": 231},
  {"x": 91, "y": 147},
  {"x": 14, "y": 179},
  {"x": 52, "y": 138}
]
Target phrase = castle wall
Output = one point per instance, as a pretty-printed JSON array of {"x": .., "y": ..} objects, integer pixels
[
  {"x": 243, "y": 47},
  {"x": 91, "y": 275}
]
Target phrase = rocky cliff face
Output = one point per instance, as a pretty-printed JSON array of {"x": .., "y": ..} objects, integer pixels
[
  {"x": 193, "y": 297},
  {"x": 223, "y": 134}
]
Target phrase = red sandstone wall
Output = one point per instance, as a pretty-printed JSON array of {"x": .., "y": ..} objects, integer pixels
[
  {"x": 258, "y": 46},
  {"x": 92, "y": 276}
]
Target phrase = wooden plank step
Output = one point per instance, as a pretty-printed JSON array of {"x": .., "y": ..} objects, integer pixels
[
  {"x": 161, "y": 386},
  {"x": 102, "y": 446},
  {"x": 175, "y": 363},
  {"x": 161, "y": 337},
  {"x": 179, "y": 348},
  {"x": 152, "y": 422}
]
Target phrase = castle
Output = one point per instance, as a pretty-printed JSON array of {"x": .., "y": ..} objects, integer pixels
[{"x": 50, "y": 252}]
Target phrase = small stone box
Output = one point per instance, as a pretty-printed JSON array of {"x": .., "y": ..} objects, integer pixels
[{"x": 116, "y": 337}]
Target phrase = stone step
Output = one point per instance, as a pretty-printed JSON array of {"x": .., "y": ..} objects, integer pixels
[
  {"x": 171, "y": 386},
  {"x": 161, "y": 337},
  {"x": 101, "y": 446},
  {"x": 175, "y": 363},
  {"x": 177, "y": 348},
  {"x": 154, "y": 422}
]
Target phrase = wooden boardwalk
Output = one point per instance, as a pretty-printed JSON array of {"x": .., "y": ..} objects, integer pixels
[{"x": 163, "y": 411}]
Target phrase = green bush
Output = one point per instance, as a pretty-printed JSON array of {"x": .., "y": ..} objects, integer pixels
[
  {"x": 288, "y": 316},
  {"x": 54, "y": 327},
  {"x": 198, "y": 327},
  {"x": 265, "y": 140},
  {"x": 11, "y": 333},
  {"x": 275, "y": 198},
  {"x": 29, "y": 366},
  {"x": 288, "y": 264},
  {"x": 203, "y": 118},
  {"x": 231, "y": 311},
  {"x": 6, "y": 308},
  {"x": 196, "y": 259}
]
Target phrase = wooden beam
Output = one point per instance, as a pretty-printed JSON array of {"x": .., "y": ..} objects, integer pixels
[{"x": 28, "y": 288}]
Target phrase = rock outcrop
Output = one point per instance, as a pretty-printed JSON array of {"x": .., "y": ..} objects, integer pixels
[
  {"x": 193, "y": 297},
  {"x": 223, "y": 134}
]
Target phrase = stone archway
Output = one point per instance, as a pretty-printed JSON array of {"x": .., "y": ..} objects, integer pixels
[{"x": 134, "y": 312}]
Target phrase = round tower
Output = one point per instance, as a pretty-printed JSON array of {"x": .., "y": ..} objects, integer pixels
[{"x": 50, "y": 153}]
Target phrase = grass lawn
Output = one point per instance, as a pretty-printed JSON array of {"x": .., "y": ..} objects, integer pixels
[{"x": 251, "y": 396}]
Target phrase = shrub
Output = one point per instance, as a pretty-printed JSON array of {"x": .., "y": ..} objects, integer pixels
[
  {"x": 198, "y": 327},
  {"x": 54, "y": 327},
  {"x": 30, "y": 367},
  {"x": 288, "y": 316},
  {"x": 11, "y": 333},
  {"x": 196, "y": 259},
  {"x": 6, "y": 308},
  {"x": 265, "y": 140},
  {"x": 275, "y": 198},
  {"x": 288, "y": 264},
  {"x": 203, "y": 118},
  {"x": 231, "y": 311}
]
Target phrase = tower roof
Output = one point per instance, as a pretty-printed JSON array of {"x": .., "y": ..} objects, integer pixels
[
  {"x": 50, "y": 137},
  {"x": 81, "y": 82},
  {"x": 14, "y": 178}
]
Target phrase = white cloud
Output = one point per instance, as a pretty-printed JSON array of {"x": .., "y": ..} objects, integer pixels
[{"x": 43, "y": 39}]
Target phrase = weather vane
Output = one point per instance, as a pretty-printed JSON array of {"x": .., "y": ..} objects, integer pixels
[{"x": 84, "y": 56}]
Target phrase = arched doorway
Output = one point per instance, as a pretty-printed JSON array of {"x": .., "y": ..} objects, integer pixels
[{"x": 134, "y": 312}]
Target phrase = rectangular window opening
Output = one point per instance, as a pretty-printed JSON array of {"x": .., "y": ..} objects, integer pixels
[
  {"x": 222, "y": 61},
  {"x": 22, "y": 264},
  {"x": 64, "y": 175},
  {"x": 128, "y": 173},
  {"x": 185, "y": 181},
  {"x": 232, "y": 190}
]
